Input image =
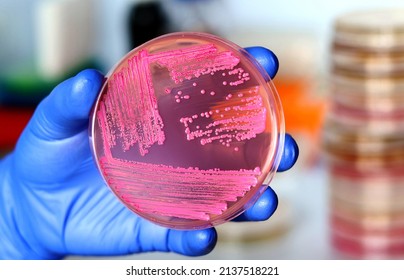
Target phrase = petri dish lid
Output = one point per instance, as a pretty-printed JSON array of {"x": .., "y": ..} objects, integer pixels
[
  {"x": 186, "y": 130},
  {"x": 370, "y": 86},
  {"x": 351, "y": 142},
  {"x": 375, "y": 104},
  {"x": 368, "y": 64},
  {"x": 365, "y": 125},
  {"x": 377, "y": 29}
]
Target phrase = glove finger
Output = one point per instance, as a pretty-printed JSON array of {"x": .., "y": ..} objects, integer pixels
[
  {"x": 266, "y": 58},
  {"x": 290, "y": 154},
  {"x": 118, "y": 231},
  {"x": 192, "y": 243},
  {"x": 65, "y": 111},
  {"x": 270, "y": 63},
  {"x": 262, "y": 209},
  {"x": 189, "y": 243}
]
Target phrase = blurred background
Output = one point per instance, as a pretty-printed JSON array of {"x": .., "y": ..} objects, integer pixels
[{"x": 340, "y": 81}]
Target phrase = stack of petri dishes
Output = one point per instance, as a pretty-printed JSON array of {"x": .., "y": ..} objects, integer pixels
[{"x": 364, "y": 135}]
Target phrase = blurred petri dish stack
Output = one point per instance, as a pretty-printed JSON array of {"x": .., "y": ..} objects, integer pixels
[{"x": 364, "y": 135}]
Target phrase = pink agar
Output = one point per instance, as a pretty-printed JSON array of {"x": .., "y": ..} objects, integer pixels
[{"x": 175, "y": 155}]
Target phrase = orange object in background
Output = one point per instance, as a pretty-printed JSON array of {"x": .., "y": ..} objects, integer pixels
[
  {"x": 304, "y": 113},
  {"x": 12, "y": 122}
]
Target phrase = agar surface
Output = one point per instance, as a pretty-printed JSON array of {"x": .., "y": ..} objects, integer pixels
[{"x": 129, "y": 116}]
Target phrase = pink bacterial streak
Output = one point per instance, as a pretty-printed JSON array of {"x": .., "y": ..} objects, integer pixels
[
  {"x": 187, "y": 193},
  {"x": 131, "y": 107},
  {"x": 186, "y": 63},
  {"x": 242, "y": 120}
]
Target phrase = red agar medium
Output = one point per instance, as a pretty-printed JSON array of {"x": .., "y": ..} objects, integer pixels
[{"x": 186, "y": 129}]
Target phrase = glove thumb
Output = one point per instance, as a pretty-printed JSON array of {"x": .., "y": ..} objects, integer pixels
[{"x": 65, "y": 111}]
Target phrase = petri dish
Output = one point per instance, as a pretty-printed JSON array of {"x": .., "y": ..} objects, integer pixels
[
  {"x": 366, "y": 63},
  {"x": 355, "y": 244},
  {"x": 187, "y": 130},
  {"x": 377, "y": 30}
]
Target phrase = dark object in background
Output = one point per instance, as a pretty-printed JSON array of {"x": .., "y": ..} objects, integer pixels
[
  {"x": 12, "y": 121},
  {"x": 146, "y": 21}
]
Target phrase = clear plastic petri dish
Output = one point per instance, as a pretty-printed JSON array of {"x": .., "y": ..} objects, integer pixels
[
  {"x": 360, "y": 240},
  {"x": 187, "y": 129},
  {"x": 376, "y": 30},
  {"x": 367, "y": 64}
]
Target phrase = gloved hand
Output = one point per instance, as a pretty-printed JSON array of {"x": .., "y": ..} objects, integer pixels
[{"x": 53, "y": 201}]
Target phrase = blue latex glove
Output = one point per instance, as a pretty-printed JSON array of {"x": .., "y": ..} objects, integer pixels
[{"x": 53, "y": 201}]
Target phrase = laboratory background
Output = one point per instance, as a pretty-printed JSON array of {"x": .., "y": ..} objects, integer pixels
[{"x": 341, "y": 82}]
